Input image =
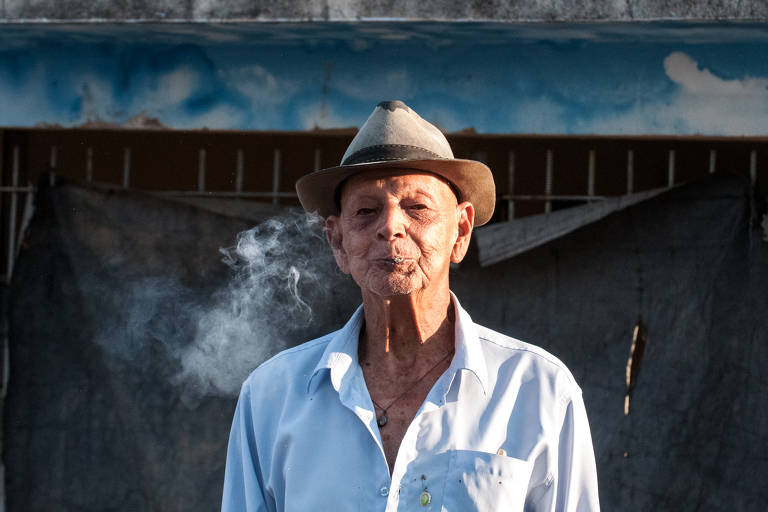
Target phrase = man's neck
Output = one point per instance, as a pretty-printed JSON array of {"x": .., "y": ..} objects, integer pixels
[{"x": 402, "y": 331}]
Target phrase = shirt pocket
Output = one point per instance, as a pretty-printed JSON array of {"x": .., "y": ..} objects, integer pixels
[{"x": 486, "y": 481}]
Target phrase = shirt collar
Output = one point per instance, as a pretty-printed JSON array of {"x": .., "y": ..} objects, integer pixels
[
  {"x": 341, "y": 352},
  {"x": 469, "y": 354}
]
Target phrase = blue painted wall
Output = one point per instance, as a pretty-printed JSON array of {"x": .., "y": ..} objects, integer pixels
[{"x": 661, "y": 78}]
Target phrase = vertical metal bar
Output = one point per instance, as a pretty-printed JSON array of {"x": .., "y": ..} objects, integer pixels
[
  {"x": 318, "y": 155},
  {"x": 26, "y": 214},
  {"x": 12, "y": 216},
  {"x": 671, "y": 169},
  {"x": 712, "y": 161},
  {"x": 239, "y": 172},
  {"x": 89, "y": 165},
  {"x": 3, "y": 172},
  {"x": 753, "y": 167},
  {"x": 126, "y": 167},
  {"x": 276, "y": 177},
  {"x": 548, "y": 182},
  {"x": 630, "y": 171},
  {"x": 591, "y": 176},
  {"x": 6, "y": 368},
  {"x": 52, "y": 164},
  {"x": 201, "y": 171},
  {"x": 511, "y": 185},
  {"x": 480, "y": 156}
]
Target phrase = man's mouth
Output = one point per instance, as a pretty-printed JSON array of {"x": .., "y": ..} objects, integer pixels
[{"x": 393, "y": 261}]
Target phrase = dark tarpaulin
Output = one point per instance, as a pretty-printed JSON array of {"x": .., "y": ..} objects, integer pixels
[
  {"x": 86, "y": 430},
  {"x": 696, "y": 437},
  {"x": 95, "y": 423}
]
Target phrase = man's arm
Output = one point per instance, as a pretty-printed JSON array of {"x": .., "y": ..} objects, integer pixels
[
  {"x": 243, "y": 484},
  {"x": 573, "y": 487}
]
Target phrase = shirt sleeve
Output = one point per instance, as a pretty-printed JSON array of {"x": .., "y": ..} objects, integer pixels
[
  {"x": 243, "y": 483},
  {"x": 573, "y": 485}
]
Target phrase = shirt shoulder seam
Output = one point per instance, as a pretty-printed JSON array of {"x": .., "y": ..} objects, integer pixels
[
  {"x": 323, "y": 340},
  {"x": 542, "y": 354}
]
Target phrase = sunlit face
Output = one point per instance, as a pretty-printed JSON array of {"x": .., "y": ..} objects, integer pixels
[{"x": 398, "y": 233}]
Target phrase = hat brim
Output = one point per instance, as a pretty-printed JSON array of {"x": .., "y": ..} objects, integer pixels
[{"x": 473, "y": 180}]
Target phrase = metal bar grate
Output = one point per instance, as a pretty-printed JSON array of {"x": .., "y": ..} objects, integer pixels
[{"x": 642, "y": 162}]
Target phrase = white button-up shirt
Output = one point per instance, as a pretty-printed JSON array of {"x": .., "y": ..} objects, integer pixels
[{"x": 503, "y": 428}]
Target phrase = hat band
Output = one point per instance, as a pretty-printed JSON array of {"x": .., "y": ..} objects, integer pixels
[{"x": 387, "y": 152}]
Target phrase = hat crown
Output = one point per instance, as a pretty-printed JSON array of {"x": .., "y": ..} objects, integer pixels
[
  {"x": 395, "y": 138},
  {"x": 394, "y": 131}
]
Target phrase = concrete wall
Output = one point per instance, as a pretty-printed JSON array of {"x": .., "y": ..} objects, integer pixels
[{"x": 351, "y": 10}]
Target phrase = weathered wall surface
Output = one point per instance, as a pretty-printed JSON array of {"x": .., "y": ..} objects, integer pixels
[
  {"x": 351, "y": 10},
  {"x": 573, "y": 78}
]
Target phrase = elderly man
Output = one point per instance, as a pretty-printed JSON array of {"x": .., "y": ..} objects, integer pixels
[{"x": 410, "y": 406}]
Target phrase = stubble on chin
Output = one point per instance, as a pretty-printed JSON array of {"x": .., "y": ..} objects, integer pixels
[{"x": 395, "y": 283}]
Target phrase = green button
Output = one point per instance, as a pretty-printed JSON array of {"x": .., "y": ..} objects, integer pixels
[{"x": 425, "y": 499}]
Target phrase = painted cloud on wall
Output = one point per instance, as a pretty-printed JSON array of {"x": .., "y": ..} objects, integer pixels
[
  {"x": 306, "y": 76},
  {"x": 702, "y": 103},
  {"x": 685, "y": 71}
]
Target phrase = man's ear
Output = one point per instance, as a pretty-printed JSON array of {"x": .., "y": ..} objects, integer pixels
[
  {"x": 465, "y": 217},
  {"x": 334, "y": 237}
]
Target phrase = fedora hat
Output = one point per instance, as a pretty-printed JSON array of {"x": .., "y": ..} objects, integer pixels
[{"x": 396, "y": 137}]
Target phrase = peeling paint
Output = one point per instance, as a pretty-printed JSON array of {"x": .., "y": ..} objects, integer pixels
[{"x": 655, "y": 78}]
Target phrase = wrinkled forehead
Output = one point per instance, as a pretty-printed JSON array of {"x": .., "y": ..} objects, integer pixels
[{"x": 397, "y": 180}]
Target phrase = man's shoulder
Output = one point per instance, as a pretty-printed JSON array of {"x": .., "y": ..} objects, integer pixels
[
  {"x": 505, "y": 347},
  {"x": 292, "y": 362}
]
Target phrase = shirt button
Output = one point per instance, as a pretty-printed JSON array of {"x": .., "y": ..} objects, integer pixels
[
  {"x": 425, "y": 499},
  {"x": 384, "y": 491},
  {"x": 501, "y": 451}
]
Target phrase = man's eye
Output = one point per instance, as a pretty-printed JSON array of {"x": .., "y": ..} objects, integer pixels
[
  {"x": 365, "y": 211},
  {"x": 418, "y": 206}
]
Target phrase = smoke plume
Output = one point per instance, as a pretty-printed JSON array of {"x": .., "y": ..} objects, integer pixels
[{"x": 283, "y": 288}]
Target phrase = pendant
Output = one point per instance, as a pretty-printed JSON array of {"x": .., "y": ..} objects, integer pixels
[{"x": 382, "y": 420}]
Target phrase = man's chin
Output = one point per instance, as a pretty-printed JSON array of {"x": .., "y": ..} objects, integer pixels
[{"x": 395, "y": 287}]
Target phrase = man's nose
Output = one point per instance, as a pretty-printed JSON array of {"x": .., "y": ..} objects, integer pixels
[{"x": 392, "y": 224}]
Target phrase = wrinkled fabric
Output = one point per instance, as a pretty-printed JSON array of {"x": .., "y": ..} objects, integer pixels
[{"x": 503, "y": 428}]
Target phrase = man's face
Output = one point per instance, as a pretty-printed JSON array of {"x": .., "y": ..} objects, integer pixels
[{"x": 397, "y": 233}]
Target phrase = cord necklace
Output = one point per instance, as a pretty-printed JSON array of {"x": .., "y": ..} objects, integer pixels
[{"x": 382, "y": 419}]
